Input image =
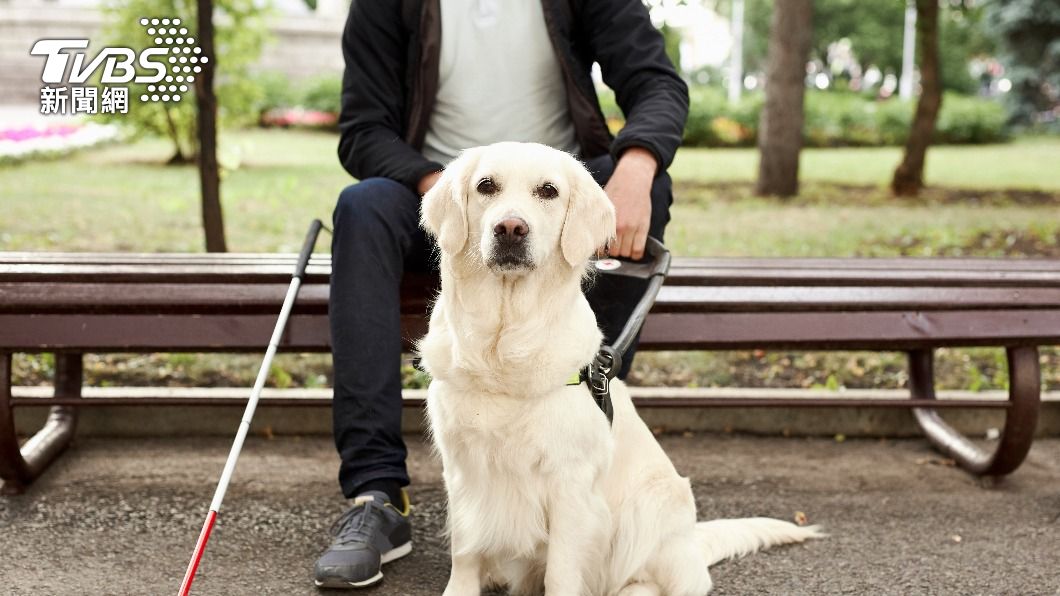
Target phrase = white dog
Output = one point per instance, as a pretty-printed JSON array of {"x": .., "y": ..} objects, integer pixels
[{"x": 544, "y": 494}]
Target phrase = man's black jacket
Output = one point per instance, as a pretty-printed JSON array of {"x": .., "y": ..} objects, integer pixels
[{"x": 392, "y": 49}]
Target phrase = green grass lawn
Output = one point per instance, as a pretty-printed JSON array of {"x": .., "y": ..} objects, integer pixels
[
  {"x": 122, "y": 198},
  {"x": 993, "y": 200},
  {"x": 1030, "y": 164}
]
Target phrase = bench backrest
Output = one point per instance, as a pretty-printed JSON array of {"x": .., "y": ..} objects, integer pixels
[{"x": 228, "y": 302}]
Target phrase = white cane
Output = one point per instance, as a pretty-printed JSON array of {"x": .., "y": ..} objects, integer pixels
[{"x": 252, "y": 404}]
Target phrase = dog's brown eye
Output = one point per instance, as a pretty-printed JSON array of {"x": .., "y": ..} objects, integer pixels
[
  {"x": 487, "y": 186},
  {"x": 547, "y": 191}
]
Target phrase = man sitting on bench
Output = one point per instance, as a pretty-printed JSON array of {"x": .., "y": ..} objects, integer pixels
[{"x": 423, "y": 80}]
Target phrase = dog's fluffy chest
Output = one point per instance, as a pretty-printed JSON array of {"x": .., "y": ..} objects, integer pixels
[
  {"x": 500, "y": 458},
  {"x": 493, "y": 470}
]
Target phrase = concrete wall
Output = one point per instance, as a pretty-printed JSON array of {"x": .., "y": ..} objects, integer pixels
[{"x": 302, "y": 46}]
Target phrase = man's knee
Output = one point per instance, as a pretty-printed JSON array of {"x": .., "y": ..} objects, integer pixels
[{"x": 373, "y": 201}]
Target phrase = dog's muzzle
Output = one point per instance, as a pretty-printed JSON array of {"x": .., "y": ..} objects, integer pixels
[{"x": 510, "y": 245}]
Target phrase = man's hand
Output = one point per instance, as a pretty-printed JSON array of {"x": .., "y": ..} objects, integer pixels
[
  {"x": 427, "y": 182},
  {"x": 630, "y": 191}
]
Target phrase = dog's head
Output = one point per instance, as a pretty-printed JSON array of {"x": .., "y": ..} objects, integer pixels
[{"x": 518, "y": 206}]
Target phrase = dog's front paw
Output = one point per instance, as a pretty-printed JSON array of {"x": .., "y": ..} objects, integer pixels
[
  {"x": 451, "y": 591},
  {"x": 463, "y": 584}
]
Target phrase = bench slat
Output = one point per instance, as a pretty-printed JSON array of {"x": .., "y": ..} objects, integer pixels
[
  {"x": 158, "y": 273},
  {"x": 164, "y": 298},
  {"x": 236, "y": 298},
  {"x": 208, "y": 268},
  {"x": 881, "y": 330},
  {"x": 871, "y": 263},
  {"x": 687, "y": 274},
  {"x": 716, "y": 263},
  {"x": 808, "y": 298}
]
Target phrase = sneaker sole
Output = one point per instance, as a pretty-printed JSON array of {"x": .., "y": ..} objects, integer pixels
[{"x": 391, "y": 555}]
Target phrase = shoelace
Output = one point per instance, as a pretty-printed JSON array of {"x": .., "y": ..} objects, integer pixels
[{"x": 358, "y": 524}]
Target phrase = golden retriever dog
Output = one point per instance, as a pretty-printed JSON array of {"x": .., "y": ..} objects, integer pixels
[{"x": 545, "y": 496}]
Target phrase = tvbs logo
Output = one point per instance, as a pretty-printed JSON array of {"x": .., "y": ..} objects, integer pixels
[{"x": 167, "y": 67}]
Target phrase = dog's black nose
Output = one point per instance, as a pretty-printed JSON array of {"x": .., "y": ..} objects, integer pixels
[{"x": 512, "y": 230}]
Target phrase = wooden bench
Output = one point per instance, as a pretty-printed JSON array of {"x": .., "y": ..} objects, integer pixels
[{"x": 70, "y": 304}]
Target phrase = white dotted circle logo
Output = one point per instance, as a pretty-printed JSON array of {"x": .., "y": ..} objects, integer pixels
[{"x": 184, "y": 61}]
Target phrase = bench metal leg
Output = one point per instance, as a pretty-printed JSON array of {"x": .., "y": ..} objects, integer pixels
[
  {"x": 19, "y": 466},
  {"x": 1021, "y": 419}
]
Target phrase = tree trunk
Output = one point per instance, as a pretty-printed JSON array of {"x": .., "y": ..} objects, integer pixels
[
  {"x": 780, "y": 128},
  {"x": 206, "y": 101},
  {"x": 179, "y": 157},
  {"x": 909, "y": 176}
]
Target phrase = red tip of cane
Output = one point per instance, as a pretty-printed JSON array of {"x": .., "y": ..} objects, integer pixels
[{"x": 200, "y": 547}]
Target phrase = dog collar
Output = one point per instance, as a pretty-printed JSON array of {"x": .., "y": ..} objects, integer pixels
[
  {"x": 597, "y": 376},
  {"x": 596, "y": 379}
]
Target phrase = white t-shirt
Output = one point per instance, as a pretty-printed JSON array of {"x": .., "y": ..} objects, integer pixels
[{"x": 499, "y": 80}]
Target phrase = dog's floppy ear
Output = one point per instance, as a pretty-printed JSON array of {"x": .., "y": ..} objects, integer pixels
[
  {"x": 443, "y": 212},
  {"x": 590, "y": 220}
]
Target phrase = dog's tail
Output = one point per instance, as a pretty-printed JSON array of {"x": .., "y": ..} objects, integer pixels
[{"x": 730, "y": 538}]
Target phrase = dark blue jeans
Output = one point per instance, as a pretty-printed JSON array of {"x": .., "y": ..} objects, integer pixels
[{"x": 377, "y": 238}]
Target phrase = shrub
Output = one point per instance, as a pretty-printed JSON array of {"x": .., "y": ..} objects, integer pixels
[
  {"x": 240, "y": 32},
  {"x": 892, "y": 121},
  {"x": 312, "y": 103},
  {"x": 832, "y": 119},
  {"x": 970, "y": 120},
  {"x": 323, "y": 94},
  {"x": 276, "y": 91}
]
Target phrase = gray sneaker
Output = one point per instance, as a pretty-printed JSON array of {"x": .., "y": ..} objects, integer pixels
[{"x": 371, "y": 533}]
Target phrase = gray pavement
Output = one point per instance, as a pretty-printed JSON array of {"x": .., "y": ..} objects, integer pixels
[{"x": 120, "y": 516}]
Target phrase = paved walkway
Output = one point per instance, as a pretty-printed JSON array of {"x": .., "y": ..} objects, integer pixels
[{"x": 120, "y": 516}]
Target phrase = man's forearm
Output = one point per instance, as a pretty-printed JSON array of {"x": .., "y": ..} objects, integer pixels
[{"x": 639, "y": 160}]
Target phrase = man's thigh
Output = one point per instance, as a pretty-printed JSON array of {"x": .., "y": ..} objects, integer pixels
[{"x": 380, "y": 215}]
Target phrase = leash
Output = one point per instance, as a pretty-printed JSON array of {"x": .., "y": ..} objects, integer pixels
[{"x": 608, "y": 360}]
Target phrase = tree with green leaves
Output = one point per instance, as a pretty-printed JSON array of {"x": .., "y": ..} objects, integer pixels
[
  {"x": 241, "y": 32},
  {"x": 1030, "y": 37},
  {"x": 875, "y": 33},
  {"x": 231, "y": 37}
]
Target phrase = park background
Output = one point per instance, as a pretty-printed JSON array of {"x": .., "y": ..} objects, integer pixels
[{"x": 991, "y": 181}]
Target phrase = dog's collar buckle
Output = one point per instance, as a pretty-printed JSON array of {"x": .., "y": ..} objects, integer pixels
[{"x": 598, "y": 375}]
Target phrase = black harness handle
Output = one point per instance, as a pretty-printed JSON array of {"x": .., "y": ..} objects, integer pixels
[{"x": 608, "y": 361}]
